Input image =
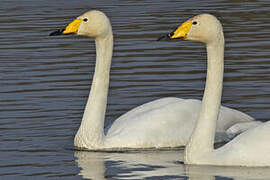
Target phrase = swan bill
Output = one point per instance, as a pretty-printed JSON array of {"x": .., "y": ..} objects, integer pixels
[
  {"x": 164, "y": 38},
  {"x": 57, "y": 32},
  {"x": 180, "y": 33},
  {"x": 72, "y": 28}
]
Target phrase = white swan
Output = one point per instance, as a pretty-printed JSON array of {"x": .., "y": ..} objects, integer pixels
[
  {"x": 167, "y": 122},
  {"x": 252, "y": 147}
]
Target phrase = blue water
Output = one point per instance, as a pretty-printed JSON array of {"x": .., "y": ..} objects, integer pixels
[{"x": 44, "y": 82}]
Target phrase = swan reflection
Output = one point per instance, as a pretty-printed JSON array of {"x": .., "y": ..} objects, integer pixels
[
  {"x": 130, "y": 165},
  {"x": 154, "y": 165},
  {"x": 216, "y": 172}
]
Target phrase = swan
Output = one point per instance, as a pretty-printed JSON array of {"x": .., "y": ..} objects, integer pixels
[
  {"x": 166, "y": 122},
  {"x": 250, "y": 148}
]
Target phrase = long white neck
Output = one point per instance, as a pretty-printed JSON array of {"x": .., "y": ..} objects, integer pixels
[
  {"x": 202, "y": 139},
  {"x": 91, "y": 131}
]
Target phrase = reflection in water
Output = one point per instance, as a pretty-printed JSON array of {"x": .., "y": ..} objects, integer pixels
[
  {"x": 92, "y": 164},
  {"x": 237, "y": 173},
  {"x": 130, "y": 165},
  {"x": 156, "y": 164}
]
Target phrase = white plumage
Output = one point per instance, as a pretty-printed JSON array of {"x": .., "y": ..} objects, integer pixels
[
  {"x": 167, "y": 122},
  {"x": 252, "y": 147}
]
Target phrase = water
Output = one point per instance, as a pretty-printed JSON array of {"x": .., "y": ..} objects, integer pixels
[{"x": 45, "y": 82}]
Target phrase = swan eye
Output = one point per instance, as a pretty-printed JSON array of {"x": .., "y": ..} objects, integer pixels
[
  {"x": 194, "y": 22},
  {"x": 85, "y": 19}
]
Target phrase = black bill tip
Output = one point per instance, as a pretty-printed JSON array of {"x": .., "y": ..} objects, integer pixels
[
  {"x": 57, "y": 33},
  {"x": 164, "y": 38}
]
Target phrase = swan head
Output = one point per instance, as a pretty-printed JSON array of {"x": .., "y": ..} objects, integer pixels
[
  {"x": 204, "y": 28},
  {"x": 93, "y": 24}
]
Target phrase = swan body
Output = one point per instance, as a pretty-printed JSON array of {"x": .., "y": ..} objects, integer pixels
[
  {"x": 167, "y": 122},
  {"x": 252, "y": 147}
]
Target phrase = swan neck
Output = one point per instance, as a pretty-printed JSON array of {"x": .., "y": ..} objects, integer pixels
[
  {"x": 202, "y": 139},
  {"x": 91, "y": 131}
]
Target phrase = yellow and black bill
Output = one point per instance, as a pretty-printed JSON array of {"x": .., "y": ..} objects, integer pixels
[
  {"x": 180, "y": 32},
  {"x": 71, "y": 28}
]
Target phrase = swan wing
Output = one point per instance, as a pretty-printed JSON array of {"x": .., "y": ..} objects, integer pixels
[
  {"x": 240, "y": 127},
  {"x": 166, "y": 122},
  {"x": 251, "y": 148},
  {"x": 229, "y": 117},
  {"x": 154, "y": 124}
]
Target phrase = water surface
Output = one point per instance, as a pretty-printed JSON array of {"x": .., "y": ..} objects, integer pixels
[{"x": 45, "y": 82}]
